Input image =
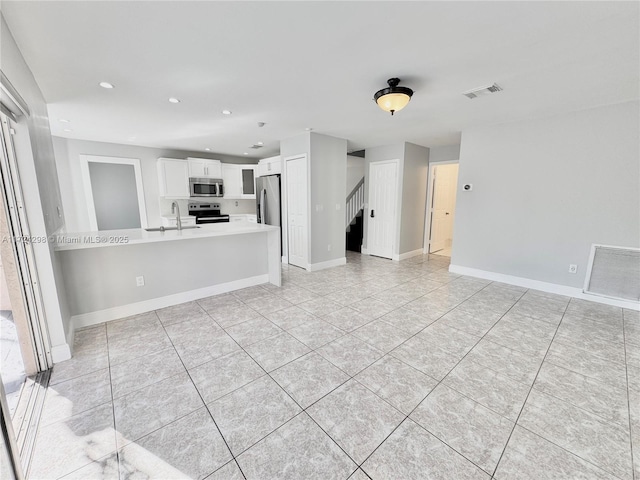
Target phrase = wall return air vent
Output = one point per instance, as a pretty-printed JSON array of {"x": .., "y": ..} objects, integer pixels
[
  {"x": 482, "y": 91},
  {"x": 614, "y": 272}
]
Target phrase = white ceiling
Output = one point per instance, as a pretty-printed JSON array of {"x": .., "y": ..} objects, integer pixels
[{"x": 295, "y": 65}]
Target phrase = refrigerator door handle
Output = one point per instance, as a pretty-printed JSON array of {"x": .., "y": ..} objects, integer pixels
[{"x": 263, "y": 201}]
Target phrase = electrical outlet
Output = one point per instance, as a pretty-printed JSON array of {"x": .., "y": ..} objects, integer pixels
[
  {"x": 573, "y": 268},
  {"x": 140, "y": 281}
]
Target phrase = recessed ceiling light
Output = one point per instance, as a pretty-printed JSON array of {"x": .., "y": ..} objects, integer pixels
[
  {"x": 246, "y": 153},
  {"x": 260, "y": 143},
  {"x": 226, "y": 112},
  {"x": 68, "y": 130},
  {"x": 174, "y": 100},
  {"x": 308, "y": 129},
  {"x": 64, "y": 120},
  {"x": 208, "y": 149},
  {"x": 106, "y": 85}
]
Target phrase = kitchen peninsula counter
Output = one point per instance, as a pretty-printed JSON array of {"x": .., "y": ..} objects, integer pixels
[
  {"x": 102, "y": 270},
  {"x": 114, "y": 238}
]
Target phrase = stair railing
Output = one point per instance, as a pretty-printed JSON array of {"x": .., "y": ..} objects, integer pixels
[{"x": 355, "y": 202}]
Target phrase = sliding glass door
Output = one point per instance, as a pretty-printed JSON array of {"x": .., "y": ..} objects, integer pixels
[{"x": 25, "y": 357}]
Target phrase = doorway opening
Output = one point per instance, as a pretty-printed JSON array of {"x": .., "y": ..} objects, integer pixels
[{"x": 442, "y": 207}]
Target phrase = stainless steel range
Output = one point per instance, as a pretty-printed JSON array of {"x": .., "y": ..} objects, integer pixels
[{"x": 207, "y": 213}]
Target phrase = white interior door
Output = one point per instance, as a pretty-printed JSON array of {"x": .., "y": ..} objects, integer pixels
[
  {"x": 443, "y": 206},
  {"x": 383, "y": 202},
  {"x": 297, "y": 212}
]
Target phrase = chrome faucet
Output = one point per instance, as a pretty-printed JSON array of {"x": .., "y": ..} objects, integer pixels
[{"x": 175, "y": 208}]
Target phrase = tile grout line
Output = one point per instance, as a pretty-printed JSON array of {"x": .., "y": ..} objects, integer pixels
[
  {"x": 233, "y": 457},
  {"x": 328, "y": 279},
  {"x": 302, "y": 410},
  {"x": 113, "y": 403},
  {"x": 439, "y": 382},
  {"x": 626, "y": 371},
  {"x": 515, "y": 424}
]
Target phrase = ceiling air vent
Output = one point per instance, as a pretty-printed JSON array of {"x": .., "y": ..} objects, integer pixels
[
  {"x": 256, "y": 146},
  {"x": 482, "y": 91}
]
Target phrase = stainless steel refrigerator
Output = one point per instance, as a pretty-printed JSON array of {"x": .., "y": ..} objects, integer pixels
[{"x": 268, "y": 201}]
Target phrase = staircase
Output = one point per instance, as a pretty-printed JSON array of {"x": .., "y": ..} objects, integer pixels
[
  {"x": 354, "y": 221},
  {"x": 355, "y": 202}
]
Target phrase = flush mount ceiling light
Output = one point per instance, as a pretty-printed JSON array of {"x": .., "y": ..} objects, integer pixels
[
  {"x": 226, "y": 112},
  {"x": 106, "y": 85},
  {"x": 393, "y": 98},
  {"x": 174, "y": 100}
]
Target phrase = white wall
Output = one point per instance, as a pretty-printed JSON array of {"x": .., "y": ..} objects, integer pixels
[
  {"x": 414, "y": 197},
  {"x": 544, "y": 190},
  {"x": 328, "y": 162},
  {"x": 355, "y": 172},
  {"x": 447, "y": 153},
  {"x": 327, "y": 157},
  {"x": 168, "y": 268},
  {"x": 39, "y": 179},
  {"x": 68, "y": 151}
]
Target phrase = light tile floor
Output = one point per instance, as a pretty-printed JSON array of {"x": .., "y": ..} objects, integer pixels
[{"x": 375, "y": 369}]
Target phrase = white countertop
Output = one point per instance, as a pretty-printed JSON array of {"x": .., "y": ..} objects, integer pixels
[{"x": 115, "y": 238}]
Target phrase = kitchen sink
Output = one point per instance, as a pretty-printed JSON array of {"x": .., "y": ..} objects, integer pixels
[{"x": 164, "y": 229}]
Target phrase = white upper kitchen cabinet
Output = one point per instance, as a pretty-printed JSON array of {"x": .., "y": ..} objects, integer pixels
[
  {"x": 204, "y": 168},
  {"x": 173, "y": 175},
  {"x": 269, "y": 166},
  {"x": 239, "y": 181}
]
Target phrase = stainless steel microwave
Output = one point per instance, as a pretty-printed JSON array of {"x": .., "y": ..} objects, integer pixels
[{"x": 205, "y": 187}]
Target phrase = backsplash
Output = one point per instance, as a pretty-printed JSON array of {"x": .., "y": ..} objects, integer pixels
[
  {"x": 244, "y": 206},
  {"x": 226, "y": 206}
]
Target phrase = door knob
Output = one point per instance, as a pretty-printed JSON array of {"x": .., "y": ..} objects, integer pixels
[
  {"x": 446, "y": 213},
  {"x": 373, "y": 213}
]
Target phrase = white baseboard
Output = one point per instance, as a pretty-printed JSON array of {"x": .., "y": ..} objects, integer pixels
[
  {"x": 314, "y": 267},
  {"x": 122, "y": 311},
  {"x": 542, "y": 286},
  {"x": 60, "y": 353},
  {"x": 404, "y": 256},
  {"x": 364, "y": 251}
]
